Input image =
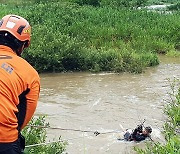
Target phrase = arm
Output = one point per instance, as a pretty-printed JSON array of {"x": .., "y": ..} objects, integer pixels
[
  {"x": 136, "y": 133},
  {"x": 31, "y": 102},
  {"x": 139, "y": 137}
]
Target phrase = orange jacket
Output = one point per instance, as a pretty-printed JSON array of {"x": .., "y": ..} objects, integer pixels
[{"x": 16, "y": 76}]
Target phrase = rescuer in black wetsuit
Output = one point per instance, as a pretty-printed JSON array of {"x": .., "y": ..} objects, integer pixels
[{"x": 138, "y": 134}]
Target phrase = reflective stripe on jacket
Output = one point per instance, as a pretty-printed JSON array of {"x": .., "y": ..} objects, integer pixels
[{"x": 19, "y": 82}]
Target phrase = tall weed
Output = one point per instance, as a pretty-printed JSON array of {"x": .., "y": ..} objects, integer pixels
[
  {"x": 171, "y": 127},
  {"x": 37, "y": 135}
]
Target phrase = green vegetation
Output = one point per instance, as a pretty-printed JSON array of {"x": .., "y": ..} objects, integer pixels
[
  {"x": 174, "y": 6},
  {"x": 171, "y": 127},
  {"x": 92, "y": 35},
  {"x": 156, "y": 2},
  {"x": 37, "y": 135},
  {"x": 124, "y": 3}
]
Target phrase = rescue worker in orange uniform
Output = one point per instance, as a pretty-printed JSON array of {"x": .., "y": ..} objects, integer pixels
[{"x": 19, "y": 83}]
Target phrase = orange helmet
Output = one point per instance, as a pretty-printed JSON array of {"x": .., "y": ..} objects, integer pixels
[{"x": 17, "y": 26}]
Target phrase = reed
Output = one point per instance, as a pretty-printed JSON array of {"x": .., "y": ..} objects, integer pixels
[{"x": 70, "y": 37}]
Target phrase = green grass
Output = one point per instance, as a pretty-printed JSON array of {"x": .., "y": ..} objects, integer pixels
[{"x": 81, "y": 38}]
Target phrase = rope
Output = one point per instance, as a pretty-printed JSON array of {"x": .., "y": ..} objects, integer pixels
[
  {"x": 96, "y": 133},
  {"x": 76, "y": 130},
  {"x": 34, "y": 145}
]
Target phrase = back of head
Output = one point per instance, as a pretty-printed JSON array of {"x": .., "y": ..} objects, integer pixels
[
  {"x": 148, "y": 129},
  {"x": 15, "y": 32}
]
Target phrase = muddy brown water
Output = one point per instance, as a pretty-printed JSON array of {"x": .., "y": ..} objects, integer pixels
[{"x": 105, "y": 102}]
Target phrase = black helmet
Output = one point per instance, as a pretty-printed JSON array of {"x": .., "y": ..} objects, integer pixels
[{"x": 148, "y": 129}]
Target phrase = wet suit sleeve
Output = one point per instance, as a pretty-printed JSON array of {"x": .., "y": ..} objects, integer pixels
[
  {"x": 137, "y": 136},
  {"x": 31, "y": 101}
]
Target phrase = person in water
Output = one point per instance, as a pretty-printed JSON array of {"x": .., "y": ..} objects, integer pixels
[{"x": 139, "y": 134}]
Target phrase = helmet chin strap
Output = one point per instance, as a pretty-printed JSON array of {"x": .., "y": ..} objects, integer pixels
[{"x": 20, "y": 50}]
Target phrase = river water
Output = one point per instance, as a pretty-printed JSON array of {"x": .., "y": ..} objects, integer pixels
[{"x": 106, "y": 102}]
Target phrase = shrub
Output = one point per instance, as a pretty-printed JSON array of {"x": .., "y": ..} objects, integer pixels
[
  {"x": 55, "y": 51},
  {"x": 124, "y": 3},
  {"x": 87, "y": 2},
  {"x": 174, "y": 7},
  {"x": 37, "y": 135},
  {"x": 75, "y": 38}
]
